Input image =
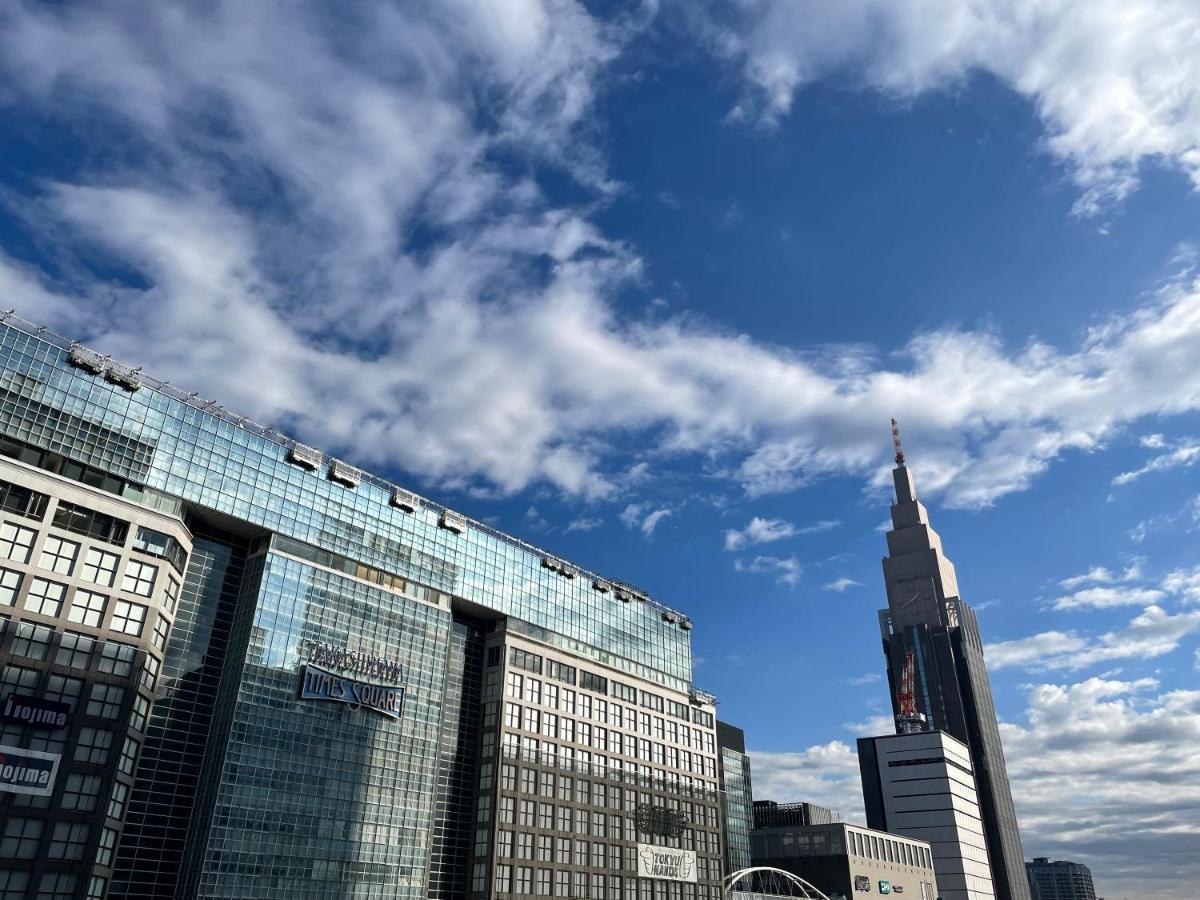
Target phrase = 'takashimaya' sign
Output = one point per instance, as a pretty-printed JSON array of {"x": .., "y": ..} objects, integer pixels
[{"x": 666, "y": 863}]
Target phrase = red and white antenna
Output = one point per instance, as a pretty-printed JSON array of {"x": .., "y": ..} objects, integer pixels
[
  {"x": 896, "y": 443},
  {"x": 909, "y": 721}
]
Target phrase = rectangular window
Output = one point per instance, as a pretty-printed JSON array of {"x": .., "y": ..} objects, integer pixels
[
  {"x": 21, "y": 838},
  {"x": 128, "y": 618},
  {"x": 106, "y": 701},
  {"x": 87, "y": 608},
  {"x": 592, "y": 682},
  {"x": 93, "y": 745},
  {"x": 68, "y": 840},
  {"x": 139, "y": 578},
  {"x": 88, "y": 522},
  {"x": 22, "y": 501},
  {"x": 59, "y": 555},
  {"x": 81, "y": 792},
  {"x": 32, "y": 641},
  {"x": 56, "y": 886},
  {"x": 523, "y": 659},
  {"x": 155, "y": 543},
  {"x": 560, "y": 671},
  {"x": 108, "y": 843},
  {"x": 10, "y": 583},
  {"x": 16, "y": 542},
  {"x": 45, "y": 597},
  {"x": 100, "y": 567},
  {"x": 533, "y": 690},
  {"x": 75, "y": 650},
  {"x": 161, "y": 629},
  {"x": 117, "y": 659}
]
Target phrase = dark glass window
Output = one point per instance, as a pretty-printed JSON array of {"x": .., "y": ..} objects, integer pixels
[
  {"x": 90, "y": 523},
  {"x": 161, "y": 545},
  {"x": 22, "y": 500}
]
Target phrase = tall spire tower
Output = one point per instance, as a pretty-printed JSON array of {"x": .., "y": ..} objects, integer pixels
[{"x": 929, "y": 631}]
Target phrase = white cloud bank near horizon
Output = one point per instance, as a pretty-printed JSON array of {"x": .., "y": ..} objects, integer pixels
[{"x": 495, "y": 355}]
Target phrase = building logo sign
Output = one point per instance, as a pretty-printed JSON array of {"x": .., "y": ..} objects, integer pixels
[
  {"x": 653, "y": 819},
  {"x": 367, "y": 666},
  {"x": 862, "y": 883},
  {"x": 885, "y": 887},
  {"x": 27, "y": 771},
  {"x": 321, "y": 684},
  {"x": 35, "y": 712},
  {"x": 666, "y": 863}
]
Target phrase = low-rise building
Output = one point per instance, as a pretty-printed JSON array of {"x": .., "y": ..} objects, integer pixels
[{"x": 848, "y": 861}]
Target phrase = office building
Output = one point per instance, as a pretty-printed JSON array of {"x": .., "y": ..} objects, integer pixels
[
  {"x": 922, "y": 786},
  {"x": 769, "y": 814},
  {"x": 1059, "y": 880},
  {"x": 928, "y": 629},
  {"x": 737, "y": 795},
  {"x": 236, "y": 667},
  {"x": 848, "y": 861}
]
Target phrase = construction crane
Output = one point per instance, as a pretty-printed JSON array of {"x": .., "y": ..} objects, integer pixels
[{"x": 909, "y": 720}]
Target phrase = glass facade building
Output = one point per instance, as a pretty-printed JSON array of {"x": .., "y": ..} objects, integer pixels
[
  {"x": 737, "y": 796},
  {"x": 317, "y": 697}
]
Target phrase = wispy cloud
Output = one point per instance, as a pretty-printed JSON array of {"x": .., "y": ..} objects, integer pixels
[
  {"x": 841, "y": 584},
  {"x": 869, "y": 678},
  {"x": 787, "y": 570},
  {"x": 584, "y": 524},
  {"x": 1182, "y": 453}
]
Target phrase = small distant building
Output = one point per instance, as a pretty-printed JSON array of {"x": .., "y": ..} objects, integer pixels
[
  {"x": 923, "y": 786},
  {"x": 737, "y": 796},
  {"x": 769, "y": 814},
  {"x": 1059, "y": 880},
  {"x": 848, "y": 862}
]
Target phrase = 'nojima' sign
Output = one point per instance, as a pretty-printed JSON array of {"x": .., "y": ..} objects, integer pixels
[
  {"x": 321, "y": 684},
  {"x": 666, "y": 863},
  {"x": 27, "y": 771}
]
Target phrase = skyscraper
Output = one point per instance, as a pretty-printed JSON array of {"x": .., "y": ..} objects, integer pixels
[
  {"x": 231, "y": 666},
  {"x": 1059, "y": 880},
  {"x": 927, "y": 617},
  {"x": 737, "y": 795}
]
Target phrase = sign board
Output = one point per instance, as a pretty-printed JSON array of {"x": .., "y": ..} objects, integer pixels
[
  {"x": 321, "y": 684},
  {"x": 35, "y": 712},
  {"x": 666, "y": 863},
  {"x": 885, "y": 887},
  {"x": 653, "y": 819},
  {"x": 862, "y": 883},
  {"x": 27, "y": 771}
]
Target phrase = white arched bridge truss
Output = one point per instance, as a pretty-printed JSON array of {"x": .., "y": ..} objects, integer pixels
[{"x": 770, "y": 882}]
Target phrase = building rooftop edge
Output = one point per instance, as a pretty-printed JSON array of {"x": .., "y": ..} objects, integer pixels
[{"x": 10, "y": 318}]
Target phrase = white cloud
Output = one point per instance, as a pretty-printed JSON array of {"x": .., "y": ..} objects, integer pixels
[
  {"x": 841, "y": 584},
  {"x": 1094, "y": 575},
  {"x": 585, "y": 523},
  {"x": 1137, "y": 831},
  {"x": 759, "y": 531},
  {"x": 869, "y": 678},
  {"x": 786, "y": 569},
  {"x": 1116, "y": 83},
  {"x": 1152, "y": 633},
  {"x": 490, "y": 352},
  {"x": 651, "y": 521},
  {"x": 1108, "y": 597},
  {"x": 1185, "y": 582},
  {"x": 1181, "y": 454}
]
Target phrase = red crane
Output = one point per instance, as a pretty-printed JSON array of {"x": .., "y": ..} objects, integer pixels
[{"x": 906, "y": 697}]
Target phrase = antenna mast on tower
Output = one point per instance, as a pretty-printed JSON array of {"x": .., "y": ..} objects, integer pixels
[
  {"x": 909, "y": 720},
  {"x": 896, "y": 443}
]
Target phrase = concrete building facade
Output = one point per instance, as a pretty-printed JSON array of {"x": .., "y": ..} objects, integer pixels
[
  {"x": 848, "y": 861},
  {"x": 922, "y": 786}
]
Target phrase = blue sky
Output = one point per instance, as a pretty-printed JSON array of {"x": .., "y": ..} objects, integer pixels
[{"x": 645, "y": 283}]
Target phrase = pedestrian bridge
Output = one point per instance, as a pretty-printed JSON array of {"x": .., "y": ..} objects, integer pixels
[{"x": 766, "y": 883}]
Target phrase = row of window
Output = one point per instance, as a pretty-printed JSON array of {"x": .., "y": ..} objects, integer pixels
[
  {"x": 47, "y": 598},
  {"x": 50, "y": 886},
  {"x": 526, "y": 881},
  {"x": 23, "y": 501},
  {"x": 556, "y": 727},
  {"x": 104, "y": 700},
  {"x": 60, "y": 556},
  {"x": 886, "y": 850},
  {"x": 531, "y": 662}
]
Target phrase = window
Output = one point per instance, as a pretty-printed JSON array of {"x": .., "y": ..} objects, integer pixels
[
  {"x": 93, "y": 745},
  {"x": 13, "y": 884},
  {"x": 592, "y": 682},
  {"x": 523, "y": 883},
  {"x": 32, "y": 641},
  {"x": 59, "y": 555},
  {"x": 56, "y": 886},
  {"x": 81, "y": 792},
  {"x": 533, "y": 690},
  {"x": 116, "y": 806},
  {"x": 87, "y": 608},
  {"x": 61, "y": 689},
  {"x": 106, "y": 700},
  {"x": 16, "y": 542},
  {"x": 515, "y": 686},
  {"x": 88, "y": 522},
  {"x": 139, "y": 578},
  {"x": 74, "y": 650},
  {"x": 117, "y": 659},
  {"x": 21, "y": 838},
  {"x": 10, "y": 583},
  {"x": 45, "y": 597},
  {"x": 568, "y": 701},
  {"x": 108, "y": 843},
  {"x": 523, "y": 659},
  {"x": 560, "y": 671},
  {"x": 546, "y": 815},
  {"x": 544, "y": 882},
  {"x": 155, "y": 543},
  {"x": 128, "y": 618},
  {"x": 68, "y": 840},
  {"x": 100, "y": 567},
  {"x": 128, "y": 761},
  {"x": 161, "y": 629},
  {"x": 96, "y": 888},
  {"x": 22, "y": 500},
  {"x": 524, "y": 846},
  {"x": 493, "y": 656},
  {"x": 141, "y": 709}
]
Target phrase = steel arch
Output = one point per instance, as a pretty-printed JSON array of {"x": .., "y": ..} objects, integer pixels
[{"x": 810, "y": 892}]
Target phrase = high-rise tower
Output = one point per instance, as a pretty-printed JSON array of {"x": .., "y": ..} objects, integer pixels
[{"x": 926, "y": 617}]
